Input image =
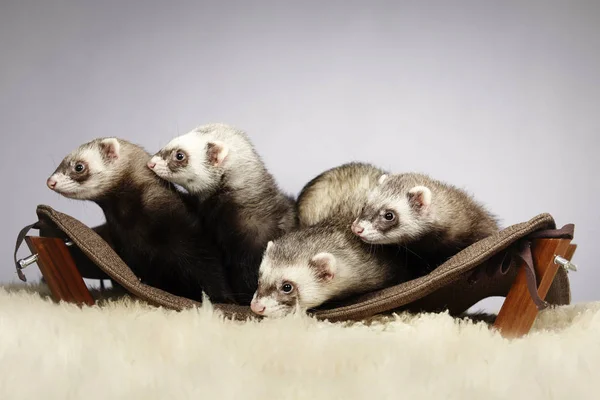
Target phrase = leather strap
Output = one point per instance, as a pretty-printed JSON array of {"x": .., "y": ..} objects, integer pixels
[
  {"x": 566, "y": 232},
  {"x": 524, "y": 254},
  {"x": 20, "y": 238}
]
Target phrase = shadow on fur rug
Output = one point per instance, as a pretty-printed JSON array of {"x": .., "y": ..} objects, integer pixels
[{"x": 125, "y": 349}]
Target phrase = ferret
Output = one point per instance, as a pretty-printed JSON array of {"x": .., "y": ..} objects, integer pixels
[
  {"x": 242, "y": 202},
  {"x": 153, "y": 227},
  {"x": 432, "y": 219},
  {"x": 341, "y": 189},
  {"x": 310, "y": 266},
  {"x": 323, "y": 260}
]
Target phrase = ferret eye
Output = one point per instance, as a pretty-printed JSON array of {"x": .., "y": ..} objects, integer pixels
[
  {"x": 179, "y": 156},
  {"x": 287, "y": 287},
  {"x": 389, "y": 216},
  {"x": 79, "y": 168}
]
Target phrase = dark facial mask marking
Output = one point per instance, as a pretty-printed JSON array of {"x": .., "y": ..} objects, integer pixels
[
  {"x": 382, "y": 224},
  {"x": 173, "y": 163},
  {"x": 273, "y": 291},
  {"x": 82, "y": 176}
]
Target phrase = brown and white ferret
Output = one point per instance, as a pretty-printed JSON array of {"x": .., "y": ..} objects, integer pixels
[
  {"x": 323, "y": 261},
  {"x": 338, "y": 190},
  {"x": 240, "y": 199},
  {"x": 432, "y": 219},
  {"x": 153, "y": 227}
]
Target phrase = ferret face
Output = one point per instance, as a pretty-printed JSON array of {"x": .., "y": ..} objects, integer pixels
[
  {"x": 191, "y": 161},
  {"x": 292, "y": 285},
  {"x": 88, "y": 171},
  {"x": 393, "y": 217}
]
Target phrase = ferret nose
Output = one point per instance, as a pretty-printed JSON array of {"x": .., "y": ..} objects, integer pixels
[
  {"x": 257, "y": 308},
  {"x": 51, "y": 183},
  {"x": 357, "y": 228},
  {"x": 151, "y": 164}
]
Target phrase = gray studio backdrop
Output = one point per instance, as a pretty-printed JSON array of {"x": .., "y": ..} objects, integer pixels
[{"x": 500, "y": 98}]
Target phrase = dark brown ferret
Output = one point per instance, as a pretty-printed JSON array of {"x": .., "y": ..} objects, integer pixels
[{"x": 154, "y": 228}]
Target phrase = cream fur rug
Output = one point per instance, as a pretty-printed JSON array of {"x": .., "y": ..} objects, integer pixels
[{"x": 125, "y": 349}]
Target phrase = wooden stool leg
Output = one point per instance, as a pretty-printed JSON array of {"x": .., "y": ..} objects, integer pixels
[
  {"x": 570, "y": 251},
  {"x": 59, "y": 271},
  {"x": 518, "y": 313}
]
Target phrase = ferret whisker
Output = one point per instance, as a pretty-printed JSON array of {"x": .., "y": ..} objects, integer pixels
[{"x": 410, "y": 251}]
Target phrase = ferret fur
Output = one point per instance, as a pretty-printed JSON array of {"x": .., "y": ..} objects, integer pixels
[
  {"x": 241, "y": 200},
  {"x": 323, "y": 263},
  {"x": 432, "y": 219},
  {"x": 338, "y": 190},
  {"x": 154, "y": 228},
  {"x": 323, "y": 260}
]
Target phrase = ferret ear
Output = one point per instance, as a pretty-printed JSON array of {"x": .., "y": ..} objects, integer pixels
[
  {"x": 419, "y": 198},
  {"x": 110, "y": 148},
  {"x": 269, "y": 245},
  {"x": 216, "y": 152},
  {"x": 382, "y": 179},
  {"x": 325, "y": 265}
]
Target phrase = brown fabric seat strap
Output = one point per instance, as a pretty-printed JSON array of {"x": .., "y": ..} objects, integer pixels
[
  {"x": 526, "y": 256},
  {"x": 566, "y": 232}
]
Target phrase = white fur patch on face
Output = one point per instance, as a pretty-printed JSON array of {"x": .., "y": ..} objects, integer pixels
[
  {"x": 370, "y": 234},
  {"x": 410, "y": 222},
  {"x": 272, "y": 307},
  {"x": 195, "y": 176},
  {"x": 64, "y": 184},
  {"x": 94, "y": 159},
  {"x": 160, "y": 167},
  {"x": 410, "y": 225},
  {"x": 308, "y": 288},
  {"x": 300, "y": 274},
  {"x": 99, "y": 174},
  {"x": 265, "y": 269}
]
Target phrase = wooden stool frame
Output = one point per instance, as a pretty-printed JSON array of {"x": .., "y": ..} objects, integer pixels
[{"x": 515, "y": 318}]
